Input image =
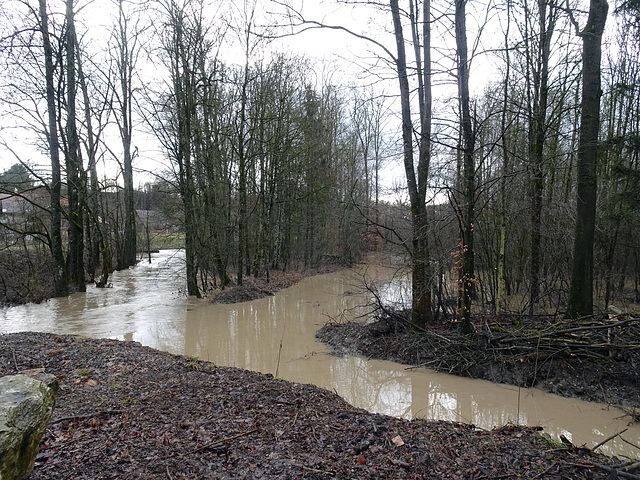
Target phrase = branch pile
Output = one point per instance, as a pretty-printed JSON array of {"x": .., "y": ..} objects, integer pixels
[{"x": 593, "y": 337}]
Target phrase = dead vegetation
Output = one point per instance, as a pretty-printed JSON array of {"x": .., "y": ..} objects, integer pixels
[{"x": 593, "y": 358}]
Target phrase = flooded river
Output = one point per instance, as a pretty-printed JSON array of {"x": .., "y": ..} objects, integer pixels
[{"x": 147, "y": 304}]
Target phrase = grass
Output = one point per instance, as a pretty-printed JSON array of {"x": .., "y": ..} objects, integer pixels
[{"x": 167, "y": 240}]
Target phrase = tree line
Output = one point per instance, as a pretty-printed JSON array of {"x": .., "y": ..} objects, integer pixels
[
  {"x": 521, "y": 197},
  {"x": 266, "y": 162},
  {"x": 539, "y": 172}
]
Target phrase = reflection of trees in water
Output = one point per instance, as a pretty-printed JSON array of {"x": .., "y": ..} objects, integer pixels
[
  {"x": 396, "y": 293},
  {"x": 361, "y": 383},
  {"x": 158, "y": 315}
]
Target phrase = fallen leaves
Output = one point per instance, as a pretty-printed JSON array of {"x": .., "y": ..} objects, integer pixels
[{"x": 182, "y": 422}]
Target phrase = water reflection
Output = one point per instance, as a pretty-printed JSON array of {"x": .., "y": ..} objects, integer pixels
[{"x": 147, "y": 304}]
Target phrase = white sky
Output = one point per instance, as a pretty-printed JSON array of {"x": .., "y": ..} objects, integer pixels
[{"x": 346, "y": 61}]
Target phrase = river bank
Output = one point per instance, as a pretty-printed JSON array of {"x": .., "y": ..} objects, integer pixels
[
  {"x": 594, "y": 359},
  {"x": 127, "y": 411}
]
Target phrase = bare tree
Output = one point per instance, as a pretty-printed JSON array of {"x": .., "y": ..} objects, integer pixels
[
  {"x": 128, "y": 44},
  {"x": 580, "y": 301},
  {"x": 421, "y": 306},
  {"x": 468, "y": 184},
  {"x": 538, "y": 86},
  {"x": 75, "y": 185},
  {"x": 55, "y": 235}
]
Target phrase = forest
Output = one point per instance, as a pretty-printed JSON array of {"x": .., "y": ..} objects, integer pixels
[{"x": 515, "y": 125}]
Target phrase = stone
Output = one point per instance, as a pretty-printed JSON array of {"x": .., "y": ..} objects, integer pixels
[{"x": 26, "y": 405}]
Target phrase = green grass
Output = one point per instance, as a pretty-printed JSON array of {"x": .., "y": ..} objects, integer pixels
[{"x": 166, "y": 240}]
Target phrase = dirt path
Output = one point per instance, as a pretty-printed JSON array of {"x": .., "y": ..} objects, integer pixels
[{"x": 127, "y": 411}]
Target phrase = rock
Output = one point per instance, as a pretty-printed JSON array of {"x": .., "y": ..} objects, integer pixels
[
  {"x": 26, "y": 404},
  {"x": 38, "y": 374}
]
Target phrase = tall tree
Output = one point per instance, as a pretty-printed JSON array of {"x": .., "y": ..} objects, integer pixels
[
  {"x": 468, "y": 183},
  {"x": 243, "y": 135},
  {"x": 181, "y": 48},
  {"x": 580, "y": 302},
  {"x": 506, "y": 165},
  {"x": 538, "y": 86},
  {"x": 421, "y": 304},
  {"x": 55, "y": 234},
  {"x": 416, "y": 174},
  {"x": 75, "y": 185},
  {"x": 126, "y": 55}
]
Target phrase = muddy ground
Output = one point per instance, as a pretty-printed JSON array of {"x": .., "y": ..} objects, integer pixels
[{"x": 125, "y": 411}]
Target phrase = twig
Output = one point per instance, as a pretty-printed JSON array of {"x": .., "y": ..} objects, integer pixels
[
  {"x": 15, "y": 362},
  {"x": 399, "y": 463},
  {"x": 217, "y": 442},
  {"x": 619, "y": 473},
  {"x": 87, "y": 415},
  {"x": 280, "y": 350},
  {"x": 608, "y": 439},
  {"x": 314, "y": 470},
  {"x": 543, "y": 473},
  {"x": 629, "y": 443}
]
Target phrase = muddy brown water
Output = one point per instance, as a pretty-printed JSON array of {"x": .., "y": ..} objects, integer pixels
[{"x": 276, "y": 335}]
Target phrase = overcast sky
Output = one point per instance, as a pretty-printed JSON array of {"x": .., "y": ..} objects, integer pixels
[{"x": 340, "y": 57}]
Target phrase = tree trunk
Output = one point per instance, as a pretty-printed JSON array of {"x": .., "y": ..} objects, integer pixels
[
  {"x": 75, "y": 187},
  {"x": 55, "y": 236},
  {"x": 95, "y": 237},
  {"x": 537, "y": 137},
  {"x": 580, "y": 301},
  {"x": 421, "y": 305},
  {"x": 183, "y": 90},
  {"x": 126, "y": 70},
  {"x": 505, "y": 171},
  {"x": 468, "y": 172}
]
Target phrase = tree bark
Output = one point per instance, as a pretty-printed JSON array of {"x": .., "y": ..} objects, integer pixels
[
  {"x": 468, "y": 172},
  {"x": 75, "y": 187},
  {"x": 55, "y": 235},
  {"x": 421, "y": 305},
  {"x": 580, "y": 302}
]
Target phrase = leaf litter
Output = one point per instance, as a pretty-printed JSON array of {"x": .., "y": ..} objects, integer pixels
[{"x": 142, "y": 413}]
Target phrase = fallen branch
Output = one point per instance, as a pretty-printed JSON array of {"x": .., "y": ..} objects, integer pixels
[
  {"x": 615, "y": 471},
  {"x": 217, "y": 442},
  {"x": 549, "y": 331},
  {"x": 15, "y": 362},
  {"x": 629, "y": 443},
  {"x": 87, "y": 415},
  {"x": 608, "y": 439},
  {"x": 597, "y": 327}
]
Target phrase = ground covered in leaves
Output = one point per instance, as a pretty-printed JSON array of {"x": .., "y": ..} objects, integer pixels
[
  {"x": 127, "y": 411},
  {"x": 596, "y": 359}
]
